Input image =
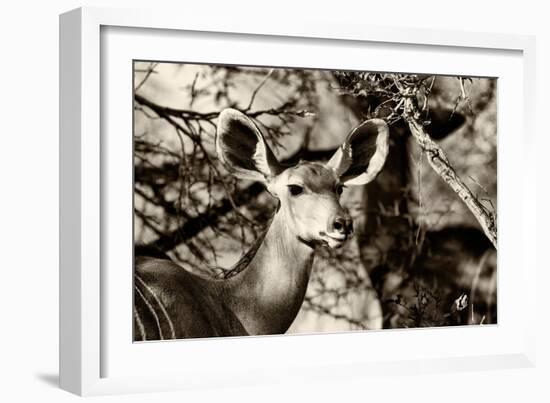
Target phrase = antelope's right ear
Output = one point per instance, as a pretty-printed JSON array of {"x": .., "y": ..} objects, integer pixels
[{"x": 242, "y": 148}]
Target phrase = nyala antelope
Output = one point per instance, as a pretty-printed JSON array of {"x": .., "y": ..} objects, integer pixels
[{"x": 264, "y": 298}]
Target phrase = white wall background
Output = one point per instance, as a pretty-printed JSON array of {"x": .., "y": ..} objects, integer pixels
[{"x": 29, "y": 201}]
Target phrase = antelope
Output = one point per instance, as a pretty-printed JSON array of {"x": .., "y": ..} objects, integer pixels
[{"x": 170, "y": 302}]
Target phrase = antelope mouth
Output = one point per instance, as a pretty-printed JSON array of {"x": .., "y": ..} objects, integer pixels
[{"x": 333, "y": 240}]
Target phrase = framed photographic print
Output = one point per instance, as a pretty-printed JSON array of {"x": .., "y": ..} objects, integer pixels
[{"x": 234, "y": 202}]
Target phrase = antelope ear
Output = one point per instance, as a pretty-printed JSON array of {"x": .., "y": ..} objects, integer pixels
[
  {"x": 363, "y": 153},
  {"x": 242, "y": 148}
]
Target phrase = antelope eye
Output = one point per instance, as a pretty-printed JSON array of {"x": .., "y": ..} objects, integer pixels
[
  {"x": 295, "y": 190},
  {"x": 339, "y": 190}
]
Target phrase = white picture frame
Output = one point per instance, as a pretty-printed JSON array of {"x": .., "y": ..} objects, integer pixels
[{"x": 87, "y": 175}]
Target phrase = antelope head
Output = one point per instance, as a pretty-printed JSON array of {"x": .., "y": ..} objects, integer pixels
[{"x": 309, "y": 192}]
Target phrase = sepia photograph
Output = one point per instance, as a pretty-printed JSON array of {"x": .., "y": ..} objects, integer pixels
[{"x": 276, "y": 200}]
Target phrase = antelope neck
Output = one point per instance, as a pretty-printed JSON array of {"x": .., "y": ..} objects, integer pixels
[{"x": 267, "y": 295}]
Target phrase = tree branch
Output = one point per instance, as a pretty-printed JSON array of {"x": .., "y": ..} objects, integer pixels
[
  {"x": 195, "y": 225},
  {"x": 441, "y": 165}
]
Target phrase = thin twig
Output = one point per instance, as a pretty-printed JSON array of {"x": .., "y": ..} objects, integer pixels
[
  {"x": 269, "y": 73},
  {"x": 150, "y": 70}
]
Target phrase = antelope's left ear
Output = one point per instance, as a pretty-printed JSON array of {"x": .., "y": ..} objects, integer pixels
[{"x": 363, "y": 154}]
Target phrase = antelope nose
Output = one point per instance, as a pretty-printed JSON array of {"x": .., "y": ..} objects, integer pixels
[{"x": 343, "y": 225}]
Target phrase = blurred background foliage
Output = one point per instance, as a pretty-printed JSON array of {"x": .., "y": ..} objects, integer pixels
[{"x": 419, "y": 257}]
